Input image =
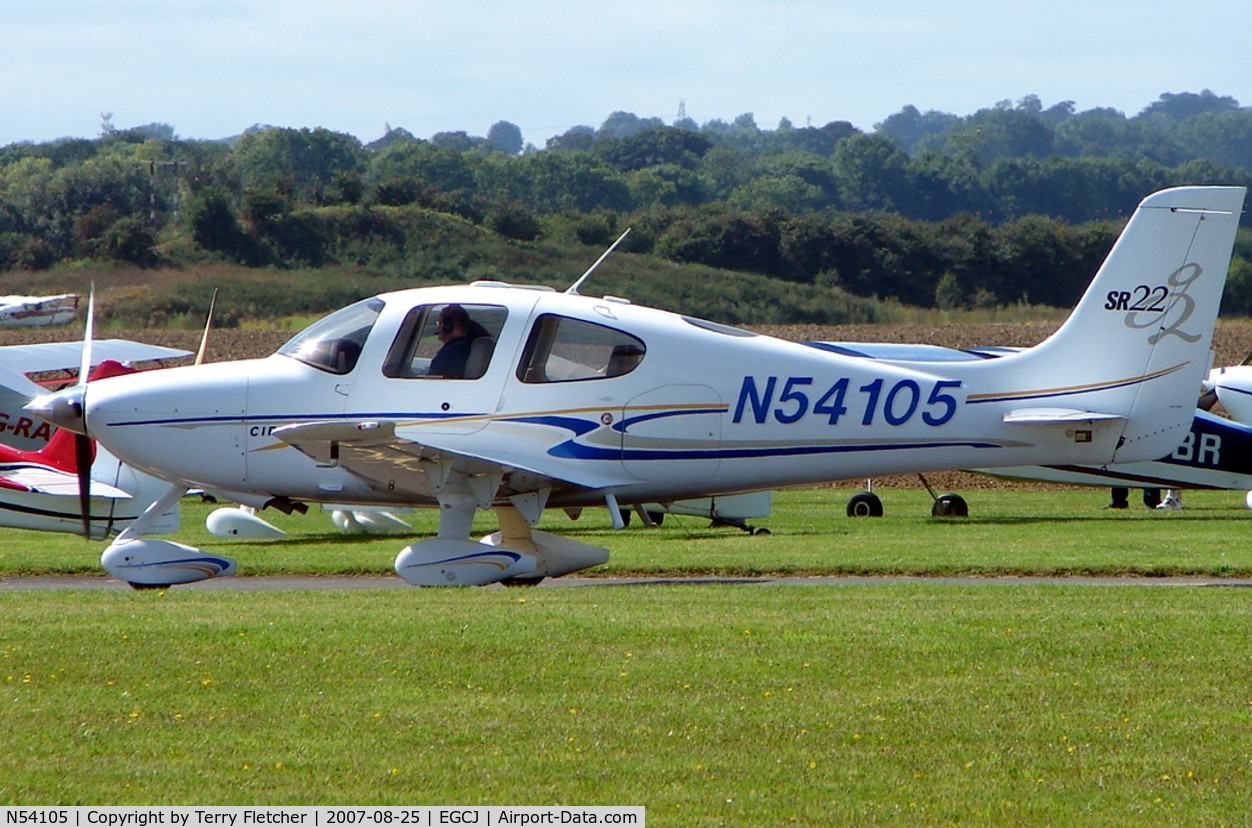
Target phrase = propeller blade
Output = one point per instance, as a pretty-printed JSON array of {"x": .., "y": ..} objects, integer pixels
[
  {"x": 84, "y": 451},
  {"x": 84, "y": 365},
  {"x": 208, "y": 324},
  {"x": 83, "y": 455}
]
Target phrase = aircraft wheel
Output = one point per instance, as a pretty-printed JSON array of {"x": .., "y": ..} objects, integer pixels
[
  {"x": 864, "y": 504},
  {"x": 761, "y": 531},
  {"x": 1151, "y": 498},
  {"x": 625, "y": 513},
  {"x": 949, "y": 505},
  {"x": 522, "y": 582},
  {"x": 143, "y": 587},
  {"x": 657, "y": 518}
]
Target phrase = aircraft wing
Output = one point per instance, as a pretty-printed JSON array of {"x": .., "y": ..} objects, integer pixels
[
  {"x": 43, "y": 480},
  {"x": 374, "y": 451},
  {"x": 56, "y": 356},
  {"x": 19, "y": 362}
]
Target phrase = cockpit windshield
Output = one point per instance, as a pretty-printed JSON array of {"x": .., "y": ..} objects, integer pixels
[{"x": 334, "y": 343}]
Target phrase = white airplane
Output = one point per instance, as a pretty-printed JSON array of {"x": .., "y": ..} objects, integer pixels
[
  {"x": 565, "y": 401},
  {"x": 1232, "y": 387},
  {"x": 29, "y": 311}
]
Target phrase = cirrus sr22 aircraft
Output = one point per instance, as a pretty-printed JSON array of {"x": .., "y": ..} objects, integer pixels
[{"x": 567, "y": 401}]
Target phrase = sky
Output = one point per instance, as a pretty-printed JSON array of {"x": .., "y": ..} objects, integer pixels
[{"x": 213, "y": 68}]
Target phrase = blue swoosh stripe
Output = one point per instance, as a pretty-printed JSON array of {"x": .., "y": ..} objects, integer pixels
[
  {"x": 573, "y": 424},
  {"x": 624, "y": 424}
]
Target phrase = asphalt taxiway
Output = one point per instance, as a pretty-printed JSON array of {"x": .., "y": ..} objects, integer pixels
[{"x": 257, "y": 583}]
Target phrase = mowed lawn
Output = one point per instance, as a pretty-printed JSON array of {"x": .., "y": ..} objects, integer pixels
[
  {"x": 1009, "y": 532},
  {"x": 710, "y": 704}
]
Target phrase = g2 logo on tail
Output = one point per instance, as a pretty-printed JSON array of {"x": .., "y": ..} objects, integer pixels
[{"x": 1158, "y": 300}]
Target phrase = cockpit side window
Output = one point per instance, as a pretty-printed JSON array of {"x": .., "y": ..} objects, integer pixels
[
  {"x": 561, "y": 349},
  {"x": 334, "y": 343},
  {"x": 448, "y": 341}
]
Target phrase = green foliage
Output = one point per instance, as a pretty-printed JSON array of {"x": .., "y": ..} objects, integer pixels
[
  {"x": 505, "y": 137},
  {"x": 1237, "y": 300},
  {"x": 214, "y": 224},
  {"x": 20, "y": 251},
  {"x": 949, "y": 293},
  {"x": 304, "y": 165},
  {"x": 1013, "y": 203},
  {"x": 513, "y": 221},
  {"x": 729, "y": 241},
  {"x": 129, "y": 240}
]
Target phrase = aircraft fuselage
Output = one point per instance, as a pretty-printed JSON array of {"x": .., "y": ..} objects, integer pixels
[{"x": 694, "y": 408}]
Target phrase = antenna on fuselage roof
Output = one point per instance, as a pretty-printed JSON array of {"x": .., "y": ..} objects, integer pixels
[{"x": 572, "y": 290}]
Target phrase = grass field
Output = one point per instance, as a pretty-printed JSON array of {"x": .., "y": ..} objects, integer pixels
[
  {"x": 1010, "y": 532},
  {"x": 912, "y": 702}
]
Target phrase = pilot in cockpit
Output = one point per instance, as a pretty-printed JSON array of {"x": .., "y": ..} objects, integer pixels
[{"x": 457, "y": 331}]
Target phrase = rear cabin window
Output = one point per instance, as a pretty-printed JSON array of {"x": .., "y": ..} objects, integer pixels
[
  {"x": 561, "y": 349},
  {"x": 445, "y": 341}
]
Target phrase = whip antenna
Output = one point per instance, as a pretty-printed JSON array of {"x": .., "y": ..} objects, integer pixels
[{"x": 573, "y": 289}]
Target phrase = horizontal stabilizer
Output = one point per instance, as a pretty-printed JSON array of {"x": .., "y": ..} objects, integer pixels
[{"x": 1056, "y": 416}]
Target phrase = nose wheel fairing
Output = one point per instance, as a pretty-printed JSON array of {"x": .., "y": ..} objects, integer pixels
[{"x": 155, "y": 562}]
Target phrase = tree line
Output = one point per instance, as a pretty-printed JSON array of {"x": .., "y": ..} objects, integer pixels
[{"x": 1014, "y": 203}]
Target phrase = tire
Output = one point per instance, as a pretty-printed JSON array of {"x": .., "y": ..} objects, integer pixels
[
  {"x": 1151, "y": 498},
  {"x": 864, "y": 504},
  {"x": 525, "y": 581},
  {"x": 950, "y": 505}
]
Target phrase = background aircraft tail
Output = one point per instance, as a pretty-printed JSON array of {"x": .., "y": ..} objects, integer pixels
[
  {"x": 60, "y": 452},
  {"x": 1137, "y": 346}
]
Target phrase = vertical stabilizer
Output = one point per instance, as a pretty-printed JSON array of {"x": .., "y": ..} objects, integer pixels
[{"x": 1137, "y": 346}]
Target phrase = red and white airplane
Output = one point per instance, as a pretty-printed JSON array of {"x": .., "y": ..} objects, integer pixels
[
  {"x": 30, "y": 311},
  {"x": 69, "y": 485}
]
